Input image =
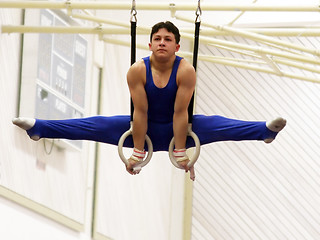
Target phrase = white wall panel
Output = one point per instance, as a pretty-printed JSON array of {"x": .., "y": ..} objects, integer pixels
[
  {"x": 251, "y": 190},
  {"x": 51, "y": 184}
]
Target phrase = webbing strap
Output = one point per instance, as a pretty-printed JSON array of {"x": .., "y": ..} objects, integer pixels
[
  {"x": 195, "y": 60},
  {"x": 133, "y": 56}
]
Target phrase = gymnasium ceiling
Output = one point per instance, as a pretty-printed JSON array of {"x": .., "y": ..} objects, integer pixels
[{"x": 281, "y": 42}]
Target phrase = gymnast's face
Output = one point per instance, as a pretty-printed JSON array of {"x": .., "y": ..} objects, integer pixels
[{"x": 163, "y": 43}]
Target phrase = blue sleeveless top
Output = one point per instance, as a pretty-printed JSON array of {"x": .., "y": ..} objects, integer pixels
[{"x": 161, "y": 100}]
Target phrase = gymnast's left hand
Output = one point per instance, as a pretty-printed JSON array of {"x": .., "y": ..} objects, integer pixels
[
  {"x": 184, "y": 165},
  {"x": 131, "y": 165}
]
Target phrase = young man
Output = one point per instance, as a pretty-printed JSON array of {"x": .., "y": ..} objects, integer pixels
[
  {"x": 161, "y": 87},
  {"x": 173, "y": 86}
]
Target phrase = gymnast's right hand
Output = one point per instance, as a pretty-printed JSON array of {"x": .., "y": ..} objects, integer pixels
[{"x": 136, "y": 157}]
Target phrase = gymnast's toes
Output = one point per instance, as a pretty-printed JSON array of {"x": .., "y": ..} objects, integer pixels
[
  {"x": 24, "y": 123},
  {"x": 275, "y": 125}
]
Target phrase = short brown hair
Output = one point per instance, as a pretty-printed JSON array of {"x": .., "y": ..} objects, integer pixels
[{"x": 170, "y": 28}]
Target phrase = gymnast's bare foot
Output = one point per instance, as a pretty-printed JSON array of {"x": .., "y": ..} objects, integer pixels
[
  {"x": 275, "y": 125},
  {"x": 26, "y": 124}
]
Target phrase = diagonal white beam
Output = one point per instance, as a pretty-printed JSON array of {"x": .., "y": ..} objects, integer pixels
[
  {"x": 281, "y": 31},
  {"x": 255, "y": 36},
  {"x": 256, "y": 49},
  {"x": 272, "y": 64},
  {"x": 239, "y": 15},
  {"x": 227, "y": 62}
]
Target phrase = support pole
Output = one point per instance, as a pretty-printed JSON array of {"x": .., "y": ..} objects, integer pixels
[
  {"x": 283, "y": 32},
  {"x": 64, "y": 29},
  {"x": 180, "y": 6}
]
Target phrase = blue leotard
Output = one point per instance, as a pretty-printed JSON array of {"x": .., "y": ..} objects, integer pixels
[
  {"x": 105, "y": 129},
  {"x": 161, "y": 100}
]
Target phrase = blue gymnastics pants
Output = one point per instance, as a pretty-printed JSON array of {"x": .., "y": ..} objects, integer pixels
[{"x": 108, "y": 130}]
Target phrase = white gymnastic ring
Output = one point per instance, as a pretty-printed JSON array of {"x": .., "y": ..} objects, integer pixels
[
  {"x": 195, "y": 155},
  {"x": 141, "y": 164}
]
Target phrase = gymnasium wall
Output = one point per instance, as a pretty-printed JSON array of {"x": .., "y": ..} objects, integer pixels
[
  {"x": 243, "y": 190},
  {"x": 67, "y": 193},
  {"x": 50, "y": 183},
  {"x": 253, "y": 190}
]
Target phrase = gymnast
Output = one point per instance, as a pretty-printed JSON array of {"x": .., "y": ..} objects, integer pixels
[{"x": 161, "y": 86}]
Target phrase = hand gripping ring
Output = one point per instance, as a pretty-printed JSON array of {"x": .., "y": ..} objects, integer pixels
[
  {"x": 141, "y": 164},
  {"x": 196, "y": 154}
]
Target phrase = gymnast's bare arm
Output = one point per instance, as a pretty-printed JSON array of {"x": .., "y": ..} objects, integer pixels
[
  {"x": 136, "y": 78},
  {"x": 186, "y": 81}
]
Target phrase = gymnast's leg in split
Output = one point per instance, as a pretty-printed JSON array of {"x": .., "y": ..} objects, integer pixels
[
  {"x": 108, "y": 130},
  {"x": 96, "y": 128},
  {"x": 218, "y": 128}
]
